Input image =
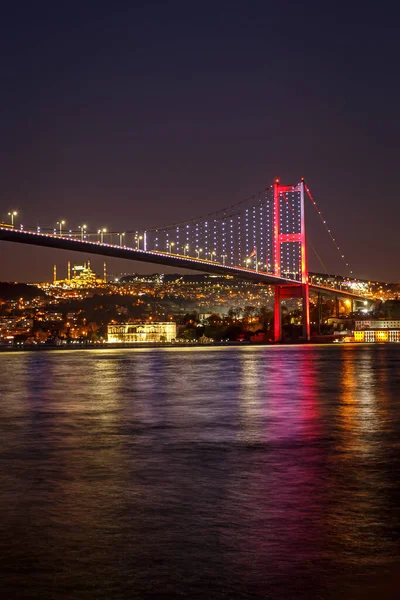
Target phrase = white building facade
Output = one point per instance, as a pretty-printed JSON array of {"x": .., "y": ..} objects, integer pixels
[
  {"x": 144, "y": 332},
  {"x": 377, "y": 331}
]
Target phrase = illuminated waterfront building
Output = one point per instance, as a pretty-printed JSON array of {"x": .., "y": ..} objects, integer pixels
[
  {"x": 144, "y": 332},
  {"x": 378, "y": 324},
  {"x": 382, "y": 330}
]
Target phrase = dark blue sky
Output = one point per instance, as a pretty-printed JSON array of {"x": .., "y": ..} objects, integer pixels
[{"x": 126, "y": 115}]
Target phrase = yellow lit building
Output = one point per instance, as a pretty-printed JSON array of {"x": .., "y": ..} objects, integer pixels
[
  {"x": 378, "y": 324},
  {"x": 377, "y": 331},
  {"x": 144, "y": 332},
  {"x": 381, "y": 335},
  {"x": 82, "y": 277}
]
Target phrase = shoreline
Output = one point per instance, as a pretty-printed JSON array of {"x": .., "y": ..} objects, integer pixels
[
  {"x": 138, "y": 346},
  {"x": 68, "y": 347}
]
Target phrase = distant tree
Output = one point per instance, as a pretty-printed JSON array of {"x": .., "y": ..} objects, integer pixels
[
  {"x": 233, "y": 332},
  {"x": 233, "y": 314},
  {"x": 192, "y": 317},
  {"x": 214, "y": 320},
  {"x": 214, "y": 332},
  {"x": 249, "y": 312},
  {"x": 189, "y": 334},
  {"x": 265, "y": 315}
]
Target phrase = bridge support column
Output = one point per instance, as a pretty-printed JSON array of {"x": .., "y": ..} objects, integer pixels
[
  {"x": 291, "y": 291},
  {"x": 277, "y": 315},
  {"x": 306, "y": 311}
]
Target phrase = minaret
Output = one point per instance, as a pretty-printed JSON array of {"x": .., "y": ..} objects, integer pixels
[
  {"x": 69, "y": 271},
  {"x": 54, "y": 273},
  {"x": 105, "y": 272}
]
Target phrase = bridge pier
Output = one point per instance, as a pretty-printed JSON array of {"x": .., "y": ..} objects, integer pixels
[{"x": 291, "y": 291}]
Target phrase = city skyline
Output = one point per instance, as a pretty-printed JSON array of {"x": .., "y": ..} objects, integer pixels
[
  {"x": 199, "y": 300},
  {"x": 129, "y": 118}
]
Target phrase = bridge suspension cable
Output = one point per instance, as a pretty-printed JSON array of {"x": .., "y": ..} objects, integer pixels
[
  {"x": 308, "y": 237},
  {"x": 241, "y": 234},
  {"x": 222, "y": 212},
  {"x": 323, "y": 220},
  {"x": 264, "y": 232}
]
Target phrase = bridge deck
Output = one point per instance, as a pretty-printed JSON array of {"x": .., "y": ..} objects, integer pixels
[{"x": 155, "y": 257}]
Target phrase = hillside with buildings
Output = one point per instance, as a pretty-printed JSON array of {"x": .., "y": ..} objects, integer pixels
[{"x": 85, "y": 307}]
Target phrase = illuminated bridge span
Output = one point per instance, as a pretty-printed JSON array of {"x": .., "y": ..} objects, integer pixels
[{"x": 261, "y": 239}]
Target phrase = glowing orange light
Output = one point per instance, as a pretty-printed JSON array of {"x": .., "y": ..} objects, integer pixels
[{"x": 382, "y": 336}]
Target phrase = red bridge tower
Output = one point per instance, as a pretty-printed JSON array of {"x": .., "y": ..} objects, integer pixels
[{"x": 290, "y": 240}]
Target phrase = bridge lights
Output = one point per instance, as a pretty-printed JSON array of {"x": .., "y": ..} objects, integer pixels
[
  {"x": 224, "y": 257},
  {"x": 170, "y": 246},
  {"x": 185, "y": 249},
  {"x": 212, "y": 254},
  {"x": 101, "y": 232},
  {"x": 60, "y": 224},
  {"x": 12, "y": 214},
  {"x": 83, "y": 229},
  {"x": 137, "y": 241},
  {"x": 199, "y": 251}
]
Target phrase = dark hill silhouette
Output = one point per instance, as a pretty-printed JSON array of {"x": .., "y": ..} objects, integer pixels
[{"x": 13, "y": 291}]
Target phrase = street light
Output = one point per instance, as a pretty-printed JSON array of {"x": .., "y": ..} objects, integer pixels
[
  {"x": 247, "y": 261},
  {"x": 61, "y": 223},
  {"x": 102, "y": 232},
  {"x": 185, "y": 249},
  {"x": 212, "y": 254},
  {"x": 12, "y": 214},
  {"x": 137, "y": 240},
  {"x": 83, "y": 229},
  {"x": 121, "y": 235},
  {"x": 224, "y": 256},
  {"x": 170, "y": 245},
  {"x": 199, "y": 250}
]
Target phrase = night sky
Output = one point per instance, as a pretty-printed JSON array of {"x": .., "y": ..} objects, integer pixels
[{"x": 130, "y": 115}]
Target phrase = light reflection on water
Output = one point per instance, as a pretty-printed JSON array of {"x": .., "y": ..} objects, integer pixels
[{"x": 200, "y": 473}]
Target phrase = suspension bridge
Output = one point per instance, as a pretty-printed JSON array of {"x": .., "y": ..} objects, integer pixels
[{"x": 261, "y": 239}]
